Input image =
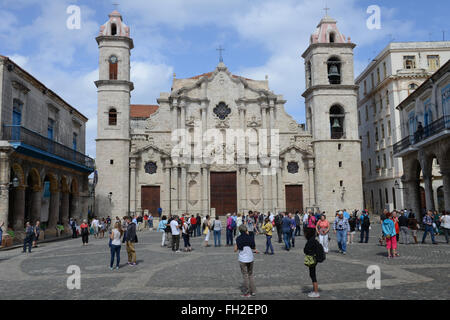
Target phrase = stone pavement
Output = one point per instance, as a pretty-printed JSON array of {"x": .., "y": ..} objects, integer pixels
[{"x": 422, "y": 271}]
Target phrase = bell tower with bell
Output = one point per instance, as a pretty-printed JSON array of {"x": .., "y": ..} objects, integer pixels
[{"x": 331, "y": 116}]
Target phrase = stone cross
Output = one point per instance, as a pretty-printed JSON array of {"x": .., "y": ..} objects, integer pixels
[{"x": 220, "y": 49}]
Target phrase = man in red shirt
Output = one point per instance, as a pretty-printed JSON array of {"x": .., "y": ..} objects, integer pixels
[{"x": 192, "y": 228}]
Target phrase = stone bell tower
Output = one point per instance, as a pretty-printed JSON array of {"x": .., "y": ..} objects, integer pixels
[
  {"x": 331, "y": 113},
  {"x": 113, "y": 117}
]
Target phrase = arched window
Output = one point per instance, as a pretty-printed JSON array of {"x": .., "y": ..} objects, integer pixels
[
  {"x": 112, "y": 117},
  {"x": 337, "y": 122},
  {"x": 308, "y": 74},
  {"x": 412, "y": 87},
  {"x": 113, "y": 29},
  {"x": 334, "y": 70},
  {"x": 332, "y": 37},
  {"x": 113, "y": 67}
]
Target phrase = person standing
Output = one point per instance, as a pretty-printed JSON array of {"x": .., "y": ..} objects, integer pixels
[
  {"x": 245, "y": 243},
  {"x": 37, "y": 232},
  {"x": 217, "y": 228},
  {"x": 234, "y": 217},
  {"x": 206, "y": 230},
  {"x": 428, "y": 223},
  {"x": 388, "y": 229},
  {"x": 175, "y": 229},
  {"x": 312, "y": 251},
  {"x": 365, "y": 226},
  {"x": 94, "y": 225},
  {"x": 130, "y": 240},
  {"x": 293, "y": 227},
  {"x": 286, "y": 224},
  {"x": 278, "y": 222},
  {"x": 341, "y": 227},
  {"x": 413, "y": 225},
  {"x": 311, "y": 221},
  {"x": 352, "y": 224},
  {"x": 239, "y": 221},
  {"x": 162, "y": 228},
  {"x": 298, "y": 224},
  {"x": 267, "y": 229},
  {"x": 159, "y": 212},
  {"x": 250, "y": 224},
  {"x": 1, "y": 232},
  {"x": 185, "y": 233},
  {"x": 394, "y": 218},
  {"x": 115, "y": 236},
  {"x": 323, "y": 227},
  {"x": 29, "y": 235},
  {"x": 445, "y": 224},
  {"x": 403, "y": 225},
  {"x": 84, "y": 231},
  {"x": 230, "y": 226}
]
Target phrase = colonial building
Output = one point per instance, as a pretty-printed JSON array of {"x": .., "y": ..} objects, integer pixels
[
  {"x": 425, "y": 147},
  {"x": 392, "y": 75},
  {"x": 221, "y": 143},
  {"x": 44, "y": 172}
]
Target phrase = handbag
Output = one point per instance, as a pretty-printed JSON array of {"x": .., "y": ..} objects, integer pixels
[{"x": 310, "y": 260}]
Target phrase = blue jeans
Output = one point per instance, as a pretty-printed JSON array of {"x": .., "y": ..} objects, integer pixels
[
  {"x": 115, "y": 251},
  {"x": 229, "y": 237},
  {"x": 364, "y": 231},
  {"x": 269, "y": 244},
  {"x": 287, "y": 239},
  {"x": 216, "y": 238},
  {"x": 341, "y": 237},
  {"x": 430, "y": 230},
  {"x": 199, "y": 230}
]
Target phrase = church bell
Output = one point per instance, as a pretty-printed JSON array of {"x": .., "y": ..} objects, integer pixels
[
  {"x": 334, "y": 74},
  {"x": 336, "y": 123}
]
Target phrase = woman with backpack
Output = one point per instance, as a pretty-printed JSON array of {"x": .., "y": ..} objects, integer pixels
[
  {"x": 314, "y": 254},
  {"x": 162, "y": 228},
  {"x": 388, "y": 229}
]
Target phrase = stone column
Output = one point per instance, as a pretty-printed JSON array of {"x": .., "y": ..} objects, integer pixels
[
  {"x": 174, "y": 190},
  {"x": 428, "y": 182},
  {"x": 65, "y": 211},
  {"x": 445, "y": 172},
  {"x": 19, "y": 208},
  {"x": 243, "y": 175},
  {"x": 4, "y": 183},
  {"x": 166, "y": 191},
  {"x": 204, "y": 190},
  {"x": 36, "y": 204},
  {"x": 266, "y": 191},
  {"x": 411, "y": 195},
  {"x": 183, "y": 195},
  {"x": 274, "y": 190},
  {"x": 133, "y": 200},
  {"x": 312, "y": 196}
]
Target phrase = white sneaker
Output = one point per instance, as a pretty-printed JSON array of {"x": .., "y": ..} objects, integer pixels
[{"x": 314, "y": 294}]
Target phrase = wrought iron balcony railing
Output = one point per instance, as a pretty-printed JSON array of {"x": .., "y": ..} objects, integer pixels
[
  {"x": 420, "y": 135},
  {"x": 20, "y": 134}
]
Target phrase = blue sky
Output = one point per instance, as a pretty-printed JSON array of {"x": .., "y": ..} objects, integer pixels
[{"x": 260, "y": 37}]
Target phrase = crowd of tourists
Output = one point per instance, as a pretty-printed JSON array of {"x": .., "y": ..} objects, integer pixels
[{"x": 240, "y": 231}]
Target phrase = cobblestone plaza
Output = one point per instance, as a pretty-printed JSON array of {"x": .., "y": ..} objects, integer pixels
[{"x": 420, "y": 273}]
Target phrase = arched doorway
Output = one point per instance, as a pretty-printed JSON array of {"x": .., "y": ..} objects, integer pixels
[
  {"x": 33, "y": 197},
  {"x": 440, "y": 199}
]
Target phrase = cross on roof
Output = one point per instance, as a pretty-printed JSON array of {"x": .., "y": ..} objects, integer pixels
[
  {"x": 116, "y": 5},
  {"x": 220, "y": 49},
  {"x": 326, "y": 10}
]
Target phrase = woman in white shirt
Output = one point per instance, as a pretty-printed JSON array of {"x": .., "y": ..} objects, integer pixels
[
  {"x": 115, "y": 244},
  {"x": 445, "y": 224}
]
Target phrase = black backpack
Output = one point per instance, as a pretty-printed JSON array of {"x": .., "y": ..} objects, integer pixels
[
  {"x": 366, "y": 222},
  {"x": 320, "y": 254}
]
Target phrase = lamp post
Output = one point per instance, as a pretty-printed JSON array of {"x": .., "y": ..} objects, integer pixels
[{"x": 397, "y": 185}]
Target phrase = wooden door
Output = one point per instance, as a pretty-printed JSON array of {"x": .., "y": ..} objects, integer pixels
[
  {"x": 150, "y": 199},
  {"x": 294, "y": 198},
  {"x": 223, "y": 192}
]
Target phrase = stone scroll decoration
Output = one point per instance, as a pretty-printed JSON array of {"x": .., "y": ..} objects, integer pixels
[
  {"x": 292, "y": 167},
  {"x": 150, "y": 167}
]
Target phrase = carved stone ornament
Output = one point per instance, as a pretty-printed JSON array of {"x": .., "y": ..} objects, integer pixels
[
  {"x": 221, "y": 124},
  {"x": 254, "y": 122},
  {"x": 293, "y": 126},
  {"x": 150, "y": 124},
  {"x": 150, "y": 167},
  {"x": 190, "y": 122},
  {"x": 292, "y": 167}
]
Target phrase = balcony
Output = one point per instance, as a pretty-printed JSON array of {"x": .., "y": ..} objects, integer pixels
[
  {"x": 36, "y": 145},
  {"x": 431, "y": 133}
]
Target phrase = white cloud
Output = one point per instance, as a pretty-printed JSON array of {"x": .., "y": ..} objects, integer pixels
[{"x": 149, "y": 80}]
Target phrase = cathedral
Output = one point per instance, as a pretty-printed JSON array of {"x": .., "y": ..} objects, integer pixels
[{"x": 221, "y": 143}]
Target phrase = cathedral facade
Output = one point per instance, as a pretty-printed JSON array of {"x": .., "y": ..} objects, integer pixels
[{"x": 220, "y": 143}]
